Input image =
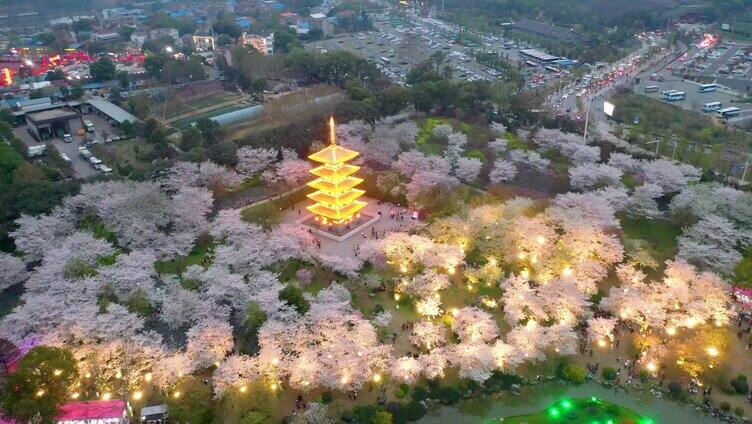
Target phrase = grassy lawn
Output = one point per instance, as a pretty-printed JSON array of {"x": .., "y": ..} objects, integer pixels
[
  {"x": 661, "y": 118},
  {"x": 207, "y": 101},
  {"x": 201, "y": 251},
  {"x": 580, "y": 411},
  {"x": 126, "y": 157},
  {"x": 661, "y": 234},
  {"x": 268, "y": 214}
]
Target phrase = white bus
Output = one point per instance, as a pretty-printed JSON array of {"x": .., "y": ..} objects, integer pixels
[
  {"x": 707, "y": 88},
  {"x": 676, "y": 96},
  {"x": 385, "y": 60},
  {"x": 651, "y": 88},
  {"x": 712, "y": 106},
  {"x": 728, "y": 112},
  {"x": 667, "y": 92}
]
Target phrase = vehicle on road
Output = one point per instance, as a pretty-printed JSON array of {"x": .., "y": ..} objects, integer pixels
[
  {"x": 65, "y": 157},
  {"x": 712, "y": 106},
  {"x": 728, "y": 112},
  {"x": 89, "y": 126},
  {"x": 67, "y": 138},
  {"x": 707, "y": 88},
  {"x": 651, "y": 88}
]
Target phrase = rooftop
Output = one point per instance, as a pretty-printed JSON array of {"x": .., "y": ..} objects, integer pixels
[
  {"x": 52, "y": 115},
  {"x": 91, "y": 410},
  {"x": 113, "y": 111},
  {"x": 333, "y": 154}
]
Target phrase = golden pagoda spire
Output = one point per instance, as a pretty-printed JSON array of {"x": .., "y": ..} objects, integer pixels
[
  {"x": 332, "y": 134},
  {"x": 336, "y": 198}
]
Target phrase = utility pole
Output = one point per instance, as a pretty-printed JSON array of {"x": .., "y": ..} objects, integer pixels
[{"x": 587, "y": 116}]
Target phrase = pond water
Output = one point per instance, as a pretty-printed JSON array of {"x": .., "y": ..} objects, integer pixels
[{"x": 534, "y": 399}]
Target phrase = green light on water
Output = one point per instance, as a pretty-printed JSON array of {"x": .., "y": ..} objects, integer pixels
[
  {"x": 554, "y": 412},
  {"x": 610, "y": 422},
  {"x": 566, "y": 404},
  {"x": 647, "y": 421}
]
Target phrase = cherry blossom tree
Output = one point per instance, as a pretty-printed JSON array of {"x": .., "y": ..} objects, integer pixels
[
  {"x": 327, "y": 347},
  {"x": 209, "y": 341},
  {"x": 468, "y": 169},
  {"x": 442, "y": 131},
  {"x": 406, "y": 369},
  {"x": 428, "y": 184},
  {"x": 382, "y": 319},
  {"x": 12, "y": 271},
  {"x": 473, "y": 325},
  {"x": 711, "y": 244},
  {"x": 234, "y": 372},
  {"x": 428, "y": 335},
  {"x": 702, "y": 199},
  {"x": 434, "y": 362},
  {"x": 642, "y": 201},
  {"x": 408, "y": 251},
  {"x": 589, "y": 175},
  {"x": 684, "y": 298},
  {"x": 601, "y": 329},
  {"x": 529, "y": 158},
  {"x": 425, "y": 285},
  {"x": 671, "y": 176},
  {"x": 253, "y": 160},
  {"x": 35, "y": 234},
  {"x": 497, "y": 128},
  {"x": 498, "y": 146},
  {"x": 502, "y": 171},
  {"x": 475, "y": 361},
  {"x": 624, "y": 162},
  {"x": 590, "y": 207},
  {"x": 206, "y": 174},
  {"x": 455, "y": 146},
  {"x": 559, "y": 301},
  {"x": 411, "y": 162},
  {"x": 288, "y": 173}
]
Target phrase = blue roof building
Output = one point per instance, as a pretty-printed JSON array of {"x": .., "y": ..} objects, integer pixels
[{"x": 242, "y": 22}]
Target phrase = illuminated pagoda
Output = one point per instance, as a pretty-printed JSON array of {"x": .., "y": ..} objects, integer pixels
[{"x": 336, "y": 198}]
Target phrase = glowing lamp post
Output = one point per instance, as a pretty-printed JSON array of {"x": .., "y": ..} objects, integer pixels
[{"x": 336, "y": 198}]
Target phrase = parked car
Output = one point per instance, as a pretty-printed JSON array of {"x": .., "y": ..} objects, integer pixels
[
  {"x": 67, "y": 138},
  {"x": 95, "y": 162},
  {"x": 65, "y": 157}
]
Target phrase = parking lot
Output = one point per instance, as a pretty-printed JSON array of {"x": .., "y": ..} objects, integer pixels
[
  {"x": 695, "y": 99},
  {"x": 398, "y": 47},
  {"x": 81, "y": 167},
  {"x": 729, "y": 64}
]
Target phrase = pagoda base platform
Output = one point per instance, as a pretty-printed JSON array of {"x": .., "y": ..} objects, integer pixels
[{"x": 340, "y": 232}]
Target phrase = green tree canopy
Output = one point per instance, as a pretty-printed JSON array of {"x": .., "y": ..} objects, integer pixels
[
  {"x": 41, "y": 383},
  {"x": 102, "y": 70}
]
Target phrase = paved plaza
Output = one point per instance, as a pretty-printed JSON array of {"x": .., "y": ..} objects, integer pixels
[{"x": 393, "y": 218}]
